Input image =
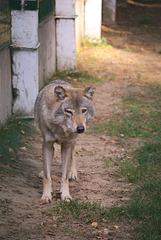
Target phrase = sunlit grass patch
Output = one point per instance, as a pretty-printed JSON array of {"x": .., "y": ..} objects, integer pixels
[
  {"x": 96, "y": 42},
  {"x": 139, "y": 118},
  {"x": 77, "y": 79}
]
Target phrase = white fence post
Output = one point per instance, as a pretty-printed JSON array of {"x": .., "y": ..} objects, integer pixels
[
  {"x": 24, "y": 34},
  {"x": 93, "y": 18},
  {"x": 65, "y": 35}
]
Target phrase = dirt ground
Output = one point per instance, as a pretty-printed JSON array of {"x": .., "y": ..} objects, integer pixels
[{"x": 133, "y": 60}]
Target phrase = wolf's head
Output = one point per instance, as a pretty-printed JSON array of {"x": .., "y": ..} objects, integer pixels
[{"x": 75, "y": 107}]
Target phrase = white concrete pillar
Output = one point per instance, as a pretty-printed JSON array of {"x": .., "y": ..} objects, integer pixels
[
  {"x": 65, "y": 35},
  {"x": 93, "y": 18},
  {"x": 79, "y": 23},
  {"x": 24, "y": 34},
  {"x": 108, "y": 11}
]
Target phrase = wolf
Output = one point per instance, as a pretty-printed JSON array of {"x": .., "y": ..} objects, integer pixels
[{"x": 61, "y": 113}]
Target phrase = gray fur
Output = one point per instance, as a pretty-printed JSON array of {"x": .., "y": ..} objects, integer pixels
[{"x": 61, "y": 112}]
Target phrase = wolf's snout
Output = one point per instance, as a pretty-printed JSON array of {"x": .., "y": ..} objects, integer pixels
[{"x": 80, "y": 129}]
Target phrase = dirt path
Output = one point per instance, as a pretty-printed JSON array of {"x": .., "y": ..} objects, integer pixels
[{"x": 20, "y": 211}]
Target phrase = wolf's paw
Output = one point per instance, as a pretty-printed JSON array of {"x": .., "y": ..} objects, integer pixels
[
  {"x": 72, "y": 175},
  {"x": 45, "y": 199},
  {"x": 66, "y": 198}
]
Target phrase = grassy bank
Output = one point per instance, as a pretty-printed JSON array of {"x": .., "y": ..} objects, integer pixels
[
  {"x": 140, "y": 119},
  {"x": 13, "y": 138}
]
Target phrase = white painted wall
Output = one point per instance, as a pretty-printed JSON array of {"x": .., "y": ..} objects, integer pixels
[
  {"x": 65, "y": 35},
  {"x": 25, "y": 81},
  {"x": 93, "y": 18},
  {"x": 23, "y": 28},
  {"x": 79, "y": 23},
  {"x": 65, "y": 7},
  {"x": 47, "y": 50},
  {"x": 66, "y": 45}
]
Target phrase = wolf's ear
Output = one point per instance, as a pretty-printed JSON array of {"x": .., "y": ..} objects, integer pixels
[
  {"x": 60, "y": 92},
  {"x": 88, "y": 92}
]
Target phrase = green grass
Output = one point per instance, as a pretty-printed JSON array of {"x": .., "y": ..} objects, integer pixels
[
  {"x": 84, "y": 212},
  {"x": 144, "y": 20},
  {"x": 141, "y": 119},
  {"x": 77, "y": 79},
  {"x": 145, "y": 208},
  {"x": 12, "y": 137},
  {"x": 96, "y": 42}
]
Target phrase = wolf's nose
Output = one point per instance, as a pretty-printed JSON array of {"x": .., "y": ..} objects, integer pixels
[{"x": 80, "y": 129}]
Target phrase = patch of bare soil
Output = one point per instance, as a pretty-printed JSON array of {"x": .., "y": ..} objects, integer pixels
[{"x": 20, "y": 212}]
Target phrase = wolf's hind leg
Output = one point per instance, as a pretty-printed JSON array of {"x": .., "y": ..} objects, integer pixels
[
  {"x": 73, "y": 164},
  {"x": 47, "y": 184}
]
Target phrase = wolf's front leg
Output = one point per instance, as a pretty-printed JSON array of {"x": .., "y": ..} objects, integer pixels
[
  {"x": 47, "y": 148},
  {"x": 66, "y": 149},
  {"x": 73, "y": 163}
]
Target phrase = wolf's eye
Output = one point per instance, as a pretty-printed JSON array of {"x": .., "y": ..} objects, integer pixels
[
  {"x": 68, "y": 111},
  {"x": 84, "y": 110}
]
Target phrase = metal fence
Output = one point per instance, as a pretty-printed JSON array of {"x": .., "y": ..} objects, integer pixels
[
  {"x": 46, "y": 9},
  {"x": 5, "y": 24}
]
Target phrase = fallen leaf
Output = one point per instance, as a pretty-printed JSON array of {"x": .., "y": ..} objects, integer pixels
[
  {"x": 48, "y": 230},
  {"x": 23, "y": 148},
  {"x": 11, "y": 150},
  {"x": 94, "y": 224},
  {"x": 53, "y": 177},
  {"x": 60, "y": 209},
  {"x": 117, "y": 190},
  {"x": 126, "y": 190},
  {"x": 116, "y": 226},
  {"x": 106, "y": 231}
]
